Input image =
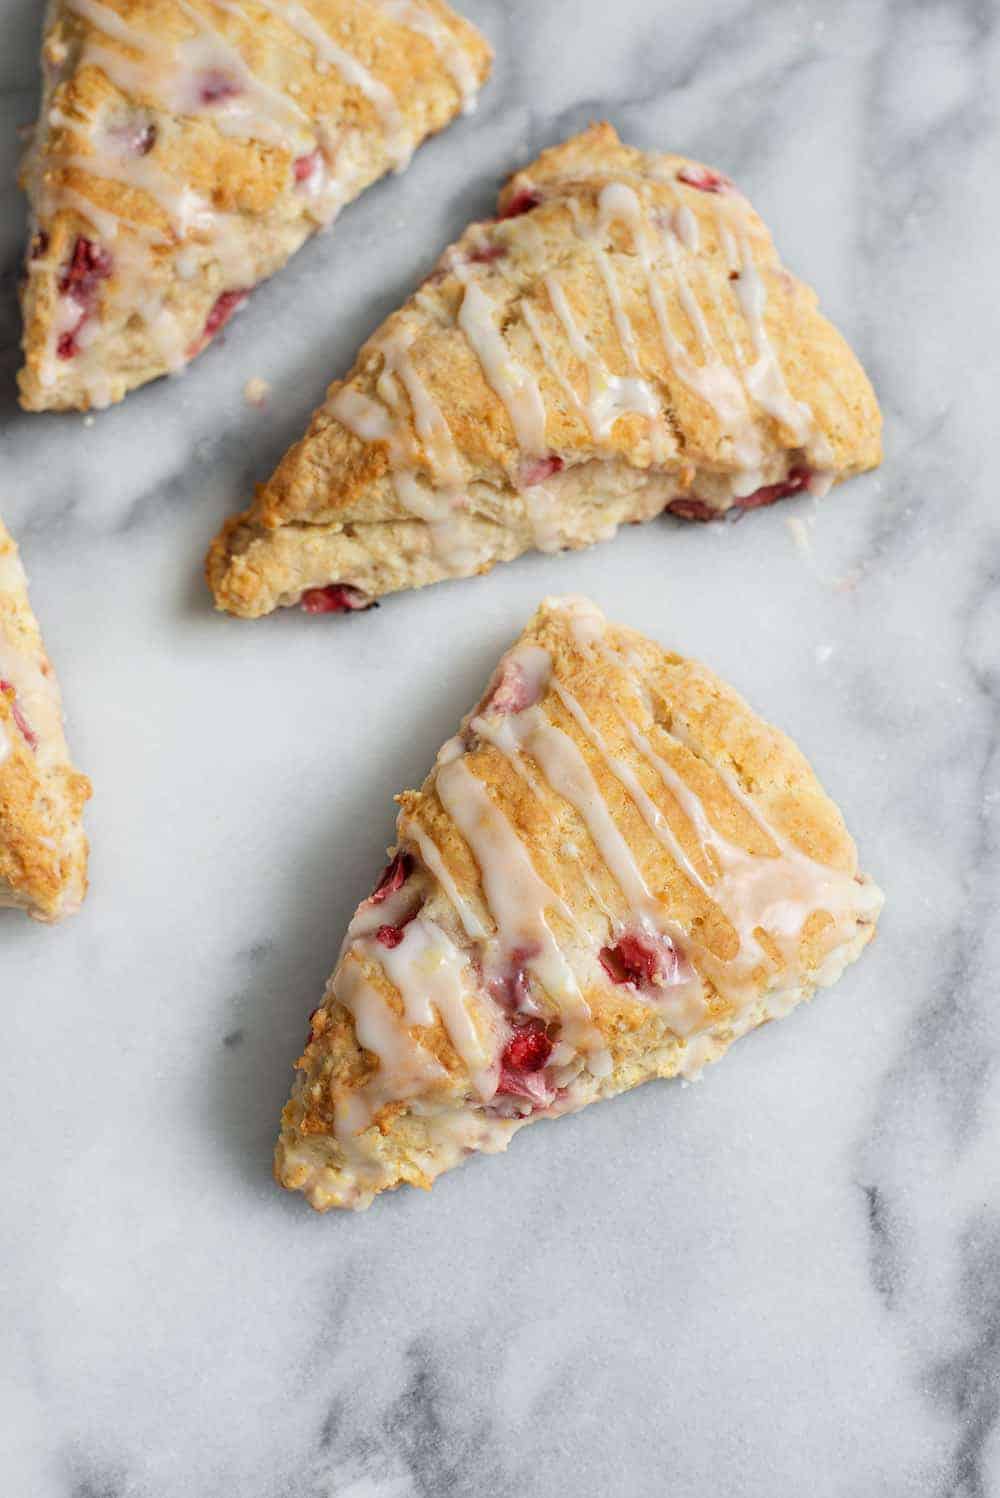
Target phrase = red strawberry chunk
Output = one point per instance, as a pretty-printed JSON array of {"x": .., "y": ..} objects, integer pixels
[
  {"x": 390, "y": 936},
  {"x": 89, "y": 265},
  {"x": 537, "y": 470},
  {"x": 485, "y": 254},
  {"x": 642, "y": 960},
  {"x": 67, "y": 346},
  {"x": 215, "y": 86},
  {"x": 704, "y": 179},
  {"x": 513, "y": 691},
  {"x": 222, "y": 310},
  {"x": 693, "y": 509},
  {"x": 303, "y": 167},
  {"x": 522, "y": 1065},
  {"x": 796, "y": 481},
  {"x": 30, "y": 737},
  {"x": 337, "y": 598},
  {"x": 522, "y": 202},
  {"x": 512, "y": 988},
  {"x": 392, "y": 878},
  {"x": 529, "y": 1048}
]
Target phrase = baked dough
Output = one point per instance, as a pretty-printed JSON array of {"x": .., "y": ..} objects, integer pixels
[
  {"x": 623, "y": 341},
  {"x": 43, "y": 850},
  {"x": 612, "y": 872},
  {"x": 186, "y": 148}
]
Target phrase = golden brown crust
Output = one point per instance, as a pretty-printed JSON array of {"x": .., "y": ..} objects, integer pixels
[
  {"x": 194, "y": 147},
  {"x": 43, "y": 850},
  {"x": 626, "y": 298},
  {"x": 752, "y": 891}
]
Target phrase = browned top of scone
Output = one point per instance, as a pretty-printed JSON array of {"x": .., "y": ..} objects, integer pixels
[{"x": 689, "y": 854}]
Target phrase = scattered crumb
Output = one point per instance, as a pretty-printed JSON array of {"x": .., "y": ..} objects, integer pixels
[
  {"x": 256, "y": 391},
  {"x": 823, "y": 653},
  {"x": 799, "y": 530},
  {"x": 88, "y": 421}
]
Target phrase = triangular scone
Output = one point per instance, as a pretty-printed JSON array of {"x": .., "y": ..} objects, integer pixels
[
  {"x": 623, "y": 341},
  {"x": 43, "y": 850},
  {"x": 186, "y": 148},
  {"x": 612, "y": 872}
]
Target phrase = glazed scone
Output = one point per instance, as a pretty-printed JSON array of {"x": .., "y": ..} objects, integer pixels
[
  {"x": 613, "y": 871},
  {"x": 186, "y": 148},
  {"x": 43, "y": 850},
  {"x": 623, "y": 341}
]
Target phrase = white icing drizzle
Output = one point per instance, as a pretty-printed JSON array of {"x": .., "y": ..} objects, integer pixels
[
  {"x": 428, "y": 418},
  {"x": 405, "y": 1067},
  {"x": 108, "y": 20},
  {"x": 419, "y": 18},
  {"x": 430, "y": 854},
  {"x": 518, "y": 899},
  {"x": 439, "y": 504},
  {"x": 712, "y": 381},
  {"x": 513, "y": 383},
  {"x": 361, "y": 415},
  {"x": 568, "y": 774},
  {"x": 609, "y": 395},
  {"x": 662, "y": 444},
  {"x": 352, "y": 70},
  {"x": 430, "y": 973},
  {"x": 765, "y": 379}
]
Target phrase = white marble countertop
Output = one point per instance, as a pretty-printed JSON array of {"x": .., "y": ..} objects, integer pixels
[{"x": 783, "y": 1281}]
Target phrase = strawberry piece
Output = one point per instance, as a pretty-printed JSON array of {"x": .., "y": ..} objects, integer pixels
[
  {"x": 642, "y": 961},
  {"x": 88, "y": 266},
  {"x": 704, "y": 179},
  {"x": 67, "y": 346},
  {"x": 390, "y": 936},
  {"x": 303, "y": 167},
  {"x": 512, "y": 988},
  {"x": 485, "y": 254},
  {"x": 522, "y": 202},
  {"x": 215, "y": 86},
  {"x": 513, "y": 691},
  {"x": 392, "y": 878},
  {"x": 537, "y": 470},
  {"x": 796, "y": 481},
  {"x": 693, "y": 509},
  {"x": 529, "y": 1048},
  {"x": 222, "y": 310},
  {"x": 30, "y": 737},
  {"x": 522, "y": 1065},
  {"x": 336, "y": 598}
]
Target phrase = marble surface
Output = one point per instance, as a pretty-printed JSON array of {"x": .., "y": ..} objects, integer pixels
[{"x": 785, "y": 1280}]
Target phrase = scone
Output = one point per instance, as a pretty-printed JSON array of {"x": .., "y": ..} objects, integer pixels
[
  {"x": 186, "y": 148},
  {"x": 623, "y": 340},
  {"x": 43, "y": 850},
  {"x": 612, "y": 872}
]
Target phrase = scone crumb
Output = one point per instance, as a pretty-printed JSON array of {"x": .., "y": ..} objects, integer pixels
[{"x": 256, "y": 391}]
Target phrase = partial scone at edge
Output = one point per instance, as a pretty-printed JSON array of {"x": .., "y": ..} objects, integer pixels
[
  {"x": 43, "y": 849},
  {"x": 623, "y": 341},
  {"x": 612, "y": 872},
  {"x": 185, "y": 150}
]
